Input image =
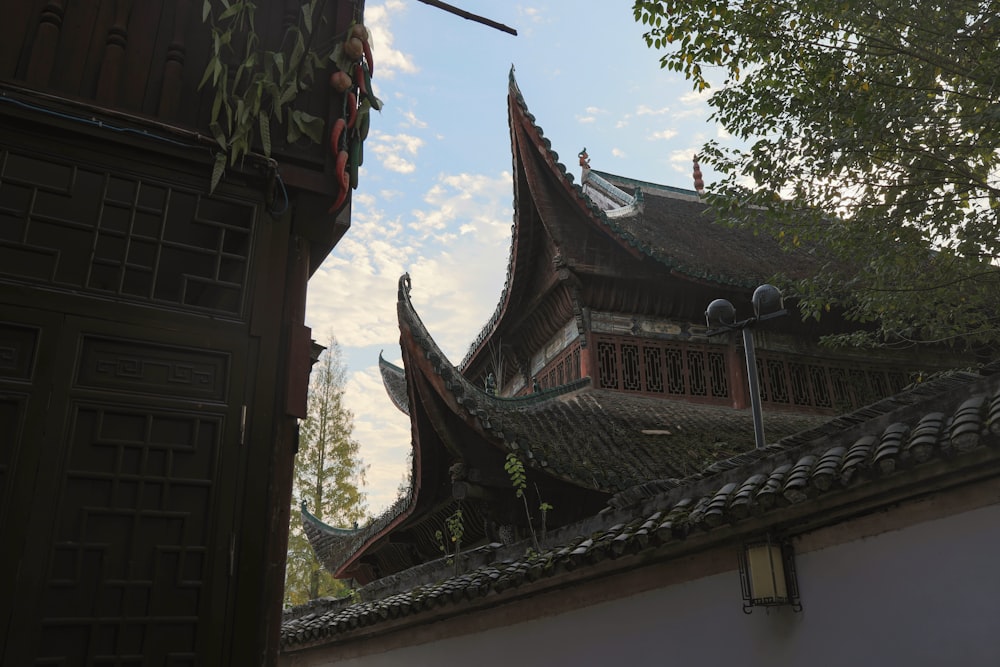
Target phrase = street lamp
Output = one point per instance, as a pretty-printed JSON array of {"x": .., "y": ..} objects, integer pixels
[{"x": 767, "y": 304}]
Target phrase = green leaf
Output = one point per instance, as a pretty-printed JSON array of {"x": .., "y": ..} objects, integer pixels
[
  {"x": 231, "y": 11},
  {"x": 220, "y": 136},
  {"x": 265, "y": 133},
  {"x": 307, "y": 18},
  {"x": 206, "y": 9},
  {"x": 311, "y": 126},
  {"x": 217, "y": 170}
]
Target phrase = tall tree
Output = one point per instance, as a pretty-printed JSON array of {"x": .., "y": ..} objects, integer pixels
[
  {"x": 868, "y": 128},
  {"x": 329, "y": 477}
]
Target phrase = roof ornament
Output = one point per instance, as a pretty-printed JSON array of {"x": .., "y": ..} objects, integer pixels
[
  {"x": 699, "y": 182},
  {"x": 584, "y": 163}
]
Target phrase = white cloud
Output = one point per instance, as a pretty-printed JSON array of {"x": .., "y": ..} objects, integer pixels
[
  {"x": 382, "y": 430},
  {"x": 533, "y": 14},
  {"x": 694, "y": 97},
  {"x": 644, "y": 110},
  {"x": 411, "y": 120},
  {"x": 388, "y": 148},
  {"x": 388, "y": 61},
  {"x": 663, "y": 134},
  {"x": 617, "y": 152}
]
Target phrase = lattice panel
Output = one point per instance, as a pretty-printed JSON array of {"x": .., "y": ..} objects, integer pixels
[
  {"x": 800, "y": 384},
  {"x": 657, "y": 367},
  {"x": 654, "y": 369},
  {"x": 820, "y": 384},
  {"x": 676, "y": 383},
  {"x": 562, "y": 370},
  {"x": 104, "y": 233},
  {"x": 631, "y": 370},
  {"x": 718, "y": 374},
  {"x": 133, "y": 368},
  {"x": 827, "y": 386},
  {"x": 697, "y": 381},
  {"x": 607, "y": 364},
  {"x": 131, "y": 549}
]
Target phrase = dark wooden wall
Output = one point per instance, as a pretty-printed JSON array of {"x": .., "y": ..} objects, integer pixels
[{"x": 153, "y": 356}]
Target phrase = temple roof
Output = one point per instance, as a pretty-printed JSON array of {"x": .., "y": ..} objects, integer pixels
[
  {"x": 933, "y": 436},
  {"x": 663, "y": 228},
  {"x": 595, "y": 440}
]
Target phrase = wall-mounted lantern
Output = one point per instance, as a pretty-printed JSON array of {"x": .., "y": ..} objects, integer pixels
[{"x": 767, "y": 575}]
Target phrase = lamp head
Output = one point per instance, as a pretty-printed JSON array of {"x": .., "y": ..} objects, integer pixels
[
  {"x": 766, "y": 299},
  {"x": 720, "y": 313}
]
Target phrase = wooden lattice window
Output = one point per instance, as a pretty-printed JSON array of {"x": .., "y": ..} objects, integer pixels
[
  {"x": 653, "y": 357},
  {"x": 675, "y": 371},
  {"x": 800, "y": 384},
  {"x": 564, "y": 369},
  {"x": 631, "y": 375},
  {"x": 607, "y": 365},
  {"x": 787, "y": 380},
  {"x": 821, "y": 386},
  {"x": 719, "y": 375},
  {"x": 663, "y": 367}
]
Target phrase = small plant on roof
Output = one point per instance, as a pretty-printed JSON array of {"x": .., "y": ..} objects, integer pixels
[
  {"x": 452, "y": 546},
  {"x": 519, "y": 480}
]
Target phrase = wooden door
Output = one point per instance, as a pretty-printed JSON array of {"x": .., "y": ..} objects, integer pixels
[{"x": 119, "y": 469}]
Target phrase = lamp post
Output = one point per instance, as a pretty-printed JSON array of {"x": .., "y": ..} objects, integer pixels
[{"x": 767, "y": 304}]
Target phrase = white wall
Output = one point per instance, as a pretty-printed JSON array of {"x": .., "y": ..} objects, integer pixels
[{"x": 928, "y": 595}]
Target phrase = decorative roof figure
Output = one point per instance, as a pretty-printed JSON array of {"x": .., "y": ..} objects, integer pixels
[{"x": 699, "y": 182}]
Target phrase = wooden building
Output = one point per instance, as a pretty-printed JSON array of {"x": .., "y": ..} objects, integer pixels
[
  {"x": 875, "y": 527},
  {"x": 597, "y": 369},
  {"x": 153, "y": 353}
]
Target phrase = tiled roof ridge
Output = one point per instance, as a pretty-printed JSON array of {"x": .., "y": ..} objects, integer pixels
[
  {"x": 334, "y": 548},
  {"x": 966, "y": 438},
  {"x": 484, "y": 408},
  {"x": 315, "y": 520},
  {"x": 883, "y": 411},
  {"x": 649, "y": 186},
  {"x": 394, "y": 381},
  {"x": 610, "y": 223}
]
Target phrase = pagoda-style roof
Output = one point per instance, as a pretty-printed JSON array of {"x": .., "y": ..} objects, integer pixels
[
  {"x": 936, "y": 435},
  {"x": 579, "y": 445},
  {"x": 656, "y": 246}
]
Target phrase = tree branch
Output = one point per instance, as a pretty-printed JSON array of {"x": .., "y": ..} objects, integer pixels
[{"x": 467, "y": 15}]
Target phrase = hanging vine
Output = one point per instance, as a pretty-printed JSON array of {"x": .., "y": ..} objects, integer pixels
[{"x": 253, "y": 86}]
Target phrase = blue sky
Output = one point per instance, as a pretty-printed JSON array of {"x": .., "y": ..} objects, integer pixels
[{"x": 436, "y": 188}]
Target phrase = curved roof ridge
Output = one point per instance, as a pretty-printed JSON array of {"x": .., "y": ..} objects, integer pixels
[
  {"x": 617, "y": 222},
  {"x": 516, "y": 98},
  {"x": 394, "y": 381}
]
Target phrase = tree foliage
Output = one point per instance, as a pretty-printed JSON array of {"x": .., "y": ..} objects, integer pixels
[
  {"x": 329, "y": 477},
  {"x": 867, "y": 128}
]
